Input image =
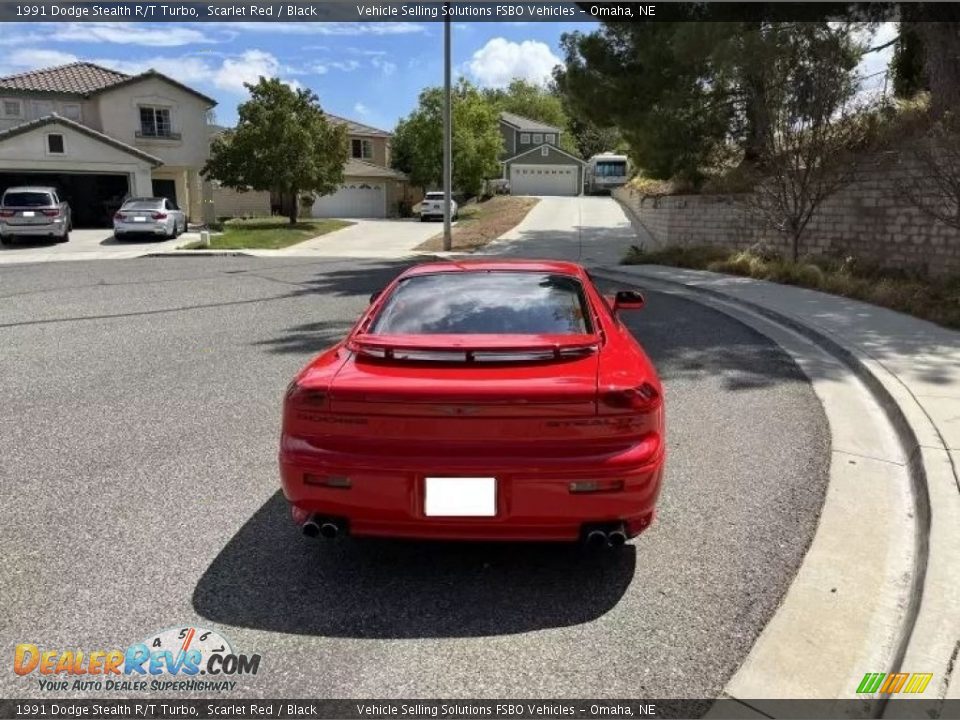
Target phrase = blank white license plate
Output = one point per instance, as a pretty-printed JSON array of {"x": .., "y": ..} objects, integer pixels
[
  {"x": 139, "y": 219},
  {"x": 28, "y": 213},
  {"x": 460, "y": 497}
]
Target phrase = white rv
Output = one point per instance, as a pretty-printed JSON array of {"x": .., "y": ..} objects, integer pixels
[{"x": 606, "y": 171}]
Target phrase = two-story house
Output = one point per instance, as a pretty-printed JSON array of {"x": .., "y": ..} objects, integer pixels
[
  {"x": 370, "y": 188},
  {"x": 532, "y": 160},
  {"x": 99, "y": 135}
]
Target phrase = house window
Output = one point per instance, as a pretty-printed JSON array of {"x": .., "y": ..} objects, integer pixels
[
  {"x": 71, "y": 111},
  {"x": 544, "y": 151},
  {"x": 361, "y": 149},
  {"x": 55, "y": 144},
  {"x": 551, "y": 138},
  {"x": 155, "y": 122},
  {"x": 12, "y": 109},
  {"x": 537, "y": 138},
  {"x": 524, "y": 138}
]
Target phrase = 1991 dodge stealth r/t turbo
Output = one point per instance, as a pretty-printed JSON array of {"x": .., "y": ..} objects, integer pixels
[{"x": 493, "y": 400}]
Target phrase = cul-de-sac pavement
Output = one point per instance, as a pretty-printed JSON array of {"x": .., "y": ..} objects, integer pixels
[{"x": 139, "y": 427}]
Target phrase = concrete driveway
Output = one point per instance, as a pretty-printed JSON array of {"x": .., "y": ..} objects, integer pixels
[
  {"x": 370, "y": 239},
  {"x": 590, "y": 230},
  {"x": 96, "y": 244}
]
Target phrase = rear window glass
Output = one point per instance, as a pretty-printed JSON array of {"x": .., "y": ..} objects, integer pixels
[
  {"x": 484, "y": 303},
  {"x": 143, "y": 205},
  {"x": 27, "y": 199},
  {"x": 434, "y": 196}
]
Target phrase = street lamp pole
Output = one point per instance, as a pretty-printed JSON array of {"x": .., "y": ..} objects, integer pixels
[{"x": 447, "y": 133}]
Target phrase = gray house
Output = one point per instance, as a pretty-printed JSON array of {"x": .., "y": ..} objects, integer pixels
[{"x": 533, "y": 162}]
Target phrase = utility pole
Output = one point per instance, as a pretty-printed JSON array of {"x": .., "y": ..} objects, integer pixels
[{"x": 447, "y": 133}]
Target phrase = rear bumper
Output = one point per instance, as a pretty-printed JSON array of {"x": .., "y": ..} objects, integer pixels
[
  {"x": 55, "y": 228},
  {"x": 147, "y": 228},
  {"x": 532, "y": 503}
]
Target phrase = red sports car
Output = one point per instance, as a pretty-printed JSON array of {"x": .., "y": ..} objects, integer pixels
[{"x": 491, "y": 400}]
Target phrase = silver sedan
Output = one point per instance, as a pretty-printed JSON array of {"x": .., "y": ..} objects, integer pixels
[{"x": 158, "y": 217}]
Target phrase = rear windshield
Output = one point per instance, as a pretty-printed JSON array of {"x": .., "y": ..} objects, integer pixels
[
  {"x": 143, "y": 205},
  {"x": 434, "y": 196},
  {"x": 484, "y": 303},
  {"x": 27, "y": 199}
]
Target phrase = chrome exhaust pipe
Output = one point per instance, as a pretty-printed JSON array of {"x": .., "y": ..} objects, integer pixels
[
  {"x": 596, "y": 539},
  {"x": 311, "y": 528},
  {"x": 617, "y": 538},
  {"x": 329, "y": 530}
]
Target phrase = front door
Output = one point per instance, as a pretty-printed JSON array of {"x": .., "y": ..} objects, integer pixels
[{"x": 165, "y": 189}]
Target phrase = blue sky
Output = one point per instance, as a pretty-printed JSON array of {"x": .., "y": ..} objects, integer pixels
[{"x": 371, "y": 72}]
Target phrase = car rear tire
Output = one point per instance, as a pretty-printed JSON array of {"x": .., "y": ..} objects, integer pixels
[
  {"x": 64, "y": 238},
  {"x": 8, "y": 240}
]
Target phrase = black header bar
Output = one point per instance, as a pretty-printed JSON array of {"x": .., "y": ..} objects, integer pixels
[{"x": 429, "y": 11}]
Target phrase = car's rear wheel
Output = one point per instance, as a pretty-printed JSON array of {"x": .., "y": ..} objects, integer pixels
[
  {"x": 8, "y": 240},
  {"x": 64, "y": 238}
]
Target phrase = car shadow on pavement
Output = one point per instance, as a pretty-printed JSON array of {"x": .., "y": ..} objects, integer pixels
[
  {"x": 133, "y": 240},
  {"x": 271, "y": 578},
  {"x": 308, "y": 338}
]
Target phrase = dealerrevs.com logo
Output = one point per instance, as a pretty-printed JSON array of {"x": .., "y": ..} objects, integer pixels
[{"x": 181, "y": 658}]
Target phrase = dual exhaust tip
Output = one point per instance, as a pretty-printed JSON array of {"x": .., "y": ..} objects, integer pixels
[
  {"x": 326, "y": 528},
  {"x": 613, "y": 537},
  {"x": 332, "y": 528}
]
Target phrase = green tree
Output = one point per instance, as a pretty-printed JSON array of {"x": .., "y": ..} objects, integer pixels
[
  {"x": 687, "y": 94},
  {"x": 418, "y": 140},
  {"x": 282, "y": 143},
  {"x": 648, "y": 80}
]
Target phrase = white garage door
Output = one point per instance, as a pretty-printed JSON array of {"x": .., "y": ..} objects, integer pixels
[
  {"x": 357, "y": 200},
  {"x": 543, "y": 180}
]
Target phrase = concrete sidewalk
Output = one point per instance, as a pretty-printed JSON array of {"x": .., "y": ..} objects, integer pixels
[{"x": 913, "y": 368}]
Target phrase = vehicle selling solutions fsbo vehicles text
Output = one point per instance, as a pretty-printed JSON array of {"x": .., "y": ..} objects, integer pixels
[{"x": 506, "y": 10}]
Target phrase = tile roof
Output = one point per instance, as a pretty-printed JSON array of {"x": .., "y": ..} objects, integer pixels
[
  {"x": 356, "y": 128},
  {"x": 80, "y": 78},
  {"x": 83, "y": 78},
  {"x": 526, "y": 124},
  {"x": 54, "y": 119},
  {"x": 360, "y": 168}
]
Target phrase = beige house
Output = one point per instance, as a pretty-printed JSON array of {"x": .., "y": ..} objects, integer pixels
[
  {"x": 370, "y": 188},
  {"x": 99, "y": 135}
]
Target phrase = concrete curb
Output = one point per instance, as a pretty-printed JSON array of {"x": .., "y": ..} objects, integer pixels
[
  {"x": 196, "y": 253},
  {"x": 923, "y": 645}
]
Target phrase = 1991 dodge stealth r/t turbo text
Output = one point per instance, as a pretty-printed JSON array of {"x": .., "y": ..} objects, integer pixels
[{"x": 495, "y": 400}]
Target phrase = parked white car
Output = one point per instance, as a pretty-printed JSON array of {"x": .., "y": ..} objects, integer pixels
[
  {"x": 432, "y": 207},
  {"x": 158, "y": 217},
  {"x": 35, "y": 212}
]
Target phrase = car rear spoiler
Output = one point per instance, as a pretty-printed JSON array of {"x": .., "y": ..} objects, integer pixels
[{"x": 415, "y": 347}]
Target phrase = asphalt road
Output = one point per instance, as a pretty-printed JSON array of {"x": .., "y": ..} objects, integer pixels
[{"x": 139, "y": 406}]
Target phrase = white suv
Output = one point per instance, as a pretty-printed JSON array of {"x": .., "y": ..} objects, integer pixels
[{"x": 432, "y": 207}]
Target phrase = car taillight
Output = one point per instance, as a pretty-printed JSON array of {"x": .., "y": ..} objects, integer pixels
[
  {"x": 51, "y": 213},
  {"x": 299, "y": 397},
  {"x": 158, "y": 216},
  {"x": 642, "y": 398},
  {"x": 7, "y": 213},
  {"x": 119, "y": 216}
]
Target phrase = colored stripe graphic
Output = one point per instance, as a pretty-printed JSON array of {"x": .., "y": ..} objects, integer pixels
[
  {"x": 894, "y": 683},
  {"x": 871, "y": 682},
  {"x": 918, "y": 682}
]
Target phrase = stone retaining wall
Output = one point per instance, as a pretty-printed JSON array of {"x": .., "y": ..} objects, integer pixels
[{"x": 869, "y": 219}]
